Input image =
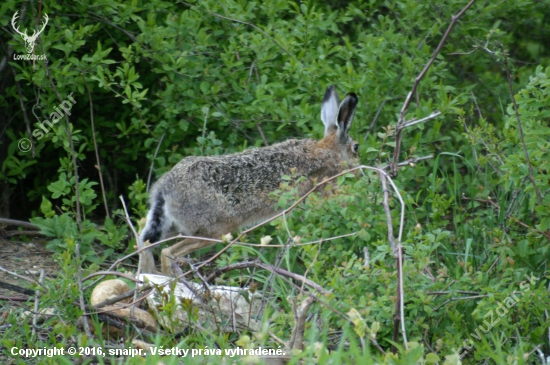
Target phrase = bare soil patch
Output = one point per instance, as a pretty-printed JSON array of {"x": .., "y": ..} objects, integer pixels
[{"x": 26, "y": 259}]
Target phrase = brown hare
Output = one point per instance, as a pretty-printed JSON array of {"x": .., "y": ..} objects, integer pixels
[{"x": 212, "y": 196}]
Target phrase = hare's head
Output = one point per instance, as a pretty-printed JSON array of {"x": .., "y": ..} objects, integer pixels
[{"x": 337, "y": 118}]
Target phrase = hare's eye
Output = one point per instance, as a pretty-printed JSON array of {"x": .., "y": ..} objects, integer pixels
[{"x": 355, "y": 148}]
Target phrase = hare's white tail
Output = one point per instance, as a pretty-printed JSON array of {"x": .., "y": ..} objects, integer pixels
[{"x": 156, "y": 220}]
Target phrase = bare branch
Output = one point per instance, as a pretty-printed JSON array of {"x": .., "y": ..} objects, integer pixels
[
  {"x": 153, "y": 162},
  {"x": 386, "y": 205},
  {"x": 95, "y": 146},
  {"x": 408, "y": 99},
  {"x": 272, "y": 269},
  {"x": 412, "y": 122},
  {"x": 114, "y": 273},
  {"x": 13, "y": 222},
  {"x": 16, "y": 275},
  {"x": 146, "y": 259},
  {"x": 520, "y": 130},
  {"x": 300, "y": 314},
  {"x": 36, "y": 304},
  {"x": 458, "y": 298},
  {"x": 245, "y": 23},
  {"x": 81, "y": 294}
]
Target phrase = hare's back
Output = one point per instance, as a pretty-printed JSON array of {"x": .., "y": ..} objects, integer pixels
[{"x": 252, "y": 173}]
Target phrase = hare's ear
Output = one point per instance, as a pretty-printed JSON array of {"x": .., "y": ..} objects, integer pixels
[
  {"x": 345, "y": 115},
  {"x": 329, "y": 111}
]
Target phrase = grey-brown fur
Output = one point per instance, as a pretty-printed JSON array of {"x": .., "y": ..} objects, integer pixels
[{"x": 212, "y": 196}]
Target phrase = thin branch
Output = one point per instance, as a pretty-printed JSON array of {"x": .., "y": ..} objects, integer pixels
[
  {"x": 176, "y": 269},
  {"x": 153, "y": 162},
  {"x": 397, "y": 251},
  {"x": 13, "y": 222},
  {"x": 373, "y": 123},
  {"x": 458, "y": 298},
  {"x": 452, "y": 292},
  {"x": 300, "y": 314},
  {"x": 408, "y": 99},
  {"x": 259, "y": 126},
  {"x": 36, "y": 304},
  {"x": 146, "y": 260},
  {"x": 322, "y": 240},
  {"x": 520, "y": 130},
  {"x": 16, "y": 275},
  {"x": 412, "y": 122},
  {"x": 21, "y": 233},
  {"x": 272, "y": 269},
  {"x": 13, "y": 299},
  {"x": 310, "y": 266},
  {"x": 242, "y": 22},
  {"x": 414, "y": 160},
  {"x": 474, "y": 153},
  {"x": 95, "y": 147},
  {"x": 387, "y": 210},
  {"x": 73, "y": 153},
  {"x": 486, "y": 201},
  {"x": 113, "y": 273},
  {"x": 24, "y": 110},
  {"x": 110, "y": 309},
  {"x": 123, "y": 296},
  {"x": 375, "y": 119},
  {"x": 81, "y": 294}
]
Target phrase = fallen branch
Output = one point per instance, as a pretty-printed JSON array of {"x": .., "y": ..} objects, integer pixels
[
  {"x": 300, "y": 313},
  {"x": 17, "y": 289},
  {"x": 81, "y": 294},
  {"x": 276, "y": 270},
  {"x": 36, "y": 304},
  {"x": 113, "y": 273},
  {"x": 14, "y": 299},
  {"x": 13, "y": 222},
  {"x": 22, "y": 233}
]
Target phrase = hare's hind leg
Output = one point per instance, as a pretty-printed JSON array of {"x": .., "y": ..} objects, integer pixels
[{"x": 172, "y": 253}]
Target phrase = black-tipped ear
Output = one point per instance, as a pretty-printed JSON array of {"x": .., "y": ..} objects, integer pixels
[{"x": 346, "y": 112}]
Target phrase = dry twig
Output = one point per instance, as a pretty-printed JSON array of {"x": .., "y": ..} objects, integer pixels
[
  {"x": 128, "y": 294},
  {"x": 81, "y": 296},
  {"x": 406, "y": 104},
  {"x": 36, "y": 304},
  {"x": 16, "y": 275},
  {"x": 300, "y": 314},
  {"x": 242, "y": 22},
  {"x": 95, "y": 147},
  {"x": 13, "y": 222}
]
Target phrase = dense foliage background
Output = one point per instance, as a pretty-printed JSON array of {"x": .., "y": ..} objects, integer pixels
[{"x": 155, "y": 81}]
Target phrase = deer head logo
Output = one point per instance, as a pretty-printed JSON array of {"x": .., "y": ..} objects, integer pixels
[{"x": 29, "y": 40}]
